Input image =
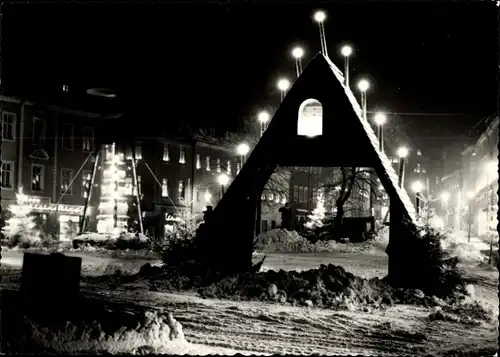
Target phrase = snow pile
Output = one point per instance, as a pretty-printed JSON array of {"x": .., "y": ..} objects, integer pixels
[
  {"x": 284, "y": 241},
  {"x": 134, "y": 241},
  {"x": 456, "y": 245},
  {"x": 329, "y": 286},
  {"x": 152, "y": 332}
]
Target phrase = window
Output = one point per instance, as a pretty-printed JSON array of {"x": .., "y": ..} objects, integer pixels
[
  {"x": 164, "y": 187},
  {"x": 229, "y": 167},
  {"x": 301, "y": 193},
  {"x": 264, "y": 225},
  {"x": 182, "y": 190},
  {"x": 7, "y": 174},
  {"x": 310, "y": 121},
  {"x": 138, "y": 151},
  {"x": 66, "y": 178},
  {"x": 296, "y": 193},
  {"x": 37, "y": 177},
  {"x": 270, "y": 196},
  {"x": 129, "y": 185},
  {"x": 8, "y": 126},
  {"x": 198, "y": 161},
  {"x": 218, "y": 165},
  {"x": 306, "y": 194},
  {"x": 166, "y": 152},
  {"x": 65, "y": 88},
  {"x": 88, "y": 138},
  {"x": 238, "y": 168},
  {"x": 182, "y": 156},
  {"x": 38, "y": 131},
  {"x": 67, "y": 136},
  {"x": 273, "y": 224},
  {"x": 207, "y": 163},
  {"x": 86, "y": 178},
  {"x": 263, "y": 196}
]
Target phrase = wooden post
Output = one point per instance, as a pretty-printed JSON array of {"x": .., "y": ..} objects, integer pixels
[
  {"x": 137, "y": 193},
  {"x": 89, "y": 189}
]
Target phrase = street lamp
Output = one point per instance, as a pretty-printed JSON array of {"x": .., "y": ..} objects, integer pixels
[
  {"x": 402, "y": 153},
  {"x": 243, "y": 150},
  {"x": 380, "y": 120},
  {"x": 417, "y": 188},
  {"x": 363, "y": 86},
  {"x": 445, "y": 197},
  {"x": 283, "y": 85},
  {"x": 263, "y": 119},
  {"x": 298, "y": 53},
  {"x": 223, "y": 179},
  {"x": 346, "y": 52},
  {"x": 470, "y": 196},
  {"x": 319, "y": 17}
]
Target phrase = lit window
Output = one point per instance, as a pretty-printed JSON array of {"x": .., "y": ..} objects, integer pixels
[
  {"x": 419, "y": 153},
  {"x": 310, "y": 121},
  {"x": 218, "y": 165},
  {"x": 182, "y": 155},
  {"x": 207, "y": 163},
  {"x": 263, "y": 196},
  {"x": 66, "y": 178},
  {"x": 86, "y": 178},
  {"x": 197, "y": 193},
  {"x": 182, "y": 190},
  {"x": 7, "y": 174},
  {"x": 238, "y": 168},
  {"x": 37, "y": 177},
  {"x": 65, "y": 88},
  {"x": 229, "y": 167},
  {"x": 8, "y": 126},
  {"x": 270, "y": 196},
  {"x": 198, "y": 161},
  {"x": 296, "y": 193},
  {"x": 164, "y": 187},
  {"x": 138, "y": 152},
  {"x": 166, "y": 152},
  {"x": 88, "y": 138}
]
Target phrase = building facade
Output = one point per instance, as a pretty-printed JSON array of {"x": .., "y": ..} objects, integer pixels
[{"x": 46, "y": 155}]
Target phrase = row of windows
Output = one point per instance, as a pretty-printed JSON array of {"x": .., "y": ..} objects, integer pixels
[
  {"x": 38, "y": 175},
  {"x": 300, "y": 194},
  {"x": 39, "y": 132},
  {"x": 313, "y": 170}
]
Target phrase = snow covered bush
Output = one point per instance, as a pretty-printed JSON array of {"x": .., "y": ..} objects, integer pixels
[{"x": 20, "y": 229}]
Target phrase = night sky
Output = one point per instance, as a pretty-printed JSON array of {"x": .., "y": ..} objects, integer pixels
[{"x": 218, "y": 64}]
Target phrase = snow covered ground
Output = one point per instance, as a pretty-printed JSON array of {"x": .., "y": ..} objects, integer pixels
[{"x": 213, "y": 326}]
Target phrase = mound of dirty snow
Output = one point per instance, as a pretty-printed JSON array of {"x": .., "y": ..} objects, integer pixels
[
  {"x": 284, "y": 241},
  {"x": 154, "y": 332}
]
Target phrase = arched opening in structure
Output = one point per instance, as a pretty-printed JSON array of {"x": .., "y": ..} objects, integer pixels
[{"x": 310, "y": 120}]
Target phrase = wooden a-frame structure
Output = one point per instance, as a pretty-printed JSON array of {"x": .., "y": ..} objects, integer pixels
[{"x": 346, "y": 140}]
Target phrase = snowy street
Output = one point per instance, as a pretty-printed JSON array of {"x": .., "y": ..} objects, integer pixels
[{"x": 214, "y": 326}]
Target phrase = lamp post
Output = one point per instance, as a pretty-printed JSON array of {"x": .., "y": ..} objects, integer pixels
[
  {"x": 319, "y": 17},
  {"x": 242, "y": 151},
  {"x": 402, "y": 153},
  {"x": 263, "y": 118},
  {"x": 298, "y": 53},
  {"x": 283, "y": 85},
  {"x": 363, "y": 86},
  {"x": 417, "y": 188},
  {"x": 346, "y": 52},
  {"x": 470, "y": 196},
  {"x": 380, "y": 120},
  {"x": 445, "y": 197},
  {"x": 223, "y": 180}
]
